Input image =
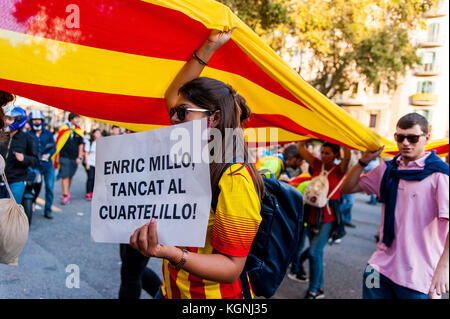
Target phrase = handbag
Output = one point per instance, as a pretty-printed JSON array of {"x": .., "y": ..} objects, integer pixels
[{"x": 14, "y": 225}]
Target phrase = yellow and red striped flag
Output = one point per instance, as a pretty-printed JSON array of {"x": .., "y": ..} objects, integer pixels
[
  {"x": 113, "y": 60},
  {"x": 439, "y": 145},
  {"x": 63, "y": 136}
]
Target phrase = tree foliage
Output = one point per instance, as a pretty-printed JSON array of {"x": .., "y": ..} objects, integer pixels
[
  {"x": 358, "y": 40},
  {"x": 261, "y": 15},
  {"x": 350, "y": 40}
]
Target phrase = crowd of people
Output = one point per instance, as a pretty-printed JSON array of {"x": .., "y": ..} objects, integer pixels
[
  {"x": 33, "y": 148},
  {"x": 411, "y": 257}
]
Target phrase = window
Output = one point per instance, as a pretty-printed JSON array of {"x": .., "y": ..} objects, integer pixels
[
  {"x": 433, "y": 32},
  {"x": 439, "y": 6},
  {"x": 355, "y": 88},
  {"x": 428, "y": 60},
  {"x": 425, "y": 87},
  {"x": 373, "y": 121},
  {"x": 378, "y": 88},
  {"x": 425, "y": 113}
]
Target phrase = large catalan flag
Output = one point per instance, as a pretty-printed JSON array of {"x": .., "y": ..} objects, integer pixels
[
  {"x": 113, "y": 60},
  {"x": 440, "y": 146}
]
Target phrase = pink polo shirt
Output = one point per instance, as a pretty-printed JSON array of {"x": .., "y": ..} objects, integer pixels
[{"x": 421, "y": 227}]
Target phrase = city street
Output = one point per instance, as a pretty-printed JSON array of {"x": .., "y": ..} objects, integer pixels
[{"x": 56, "y": 248}]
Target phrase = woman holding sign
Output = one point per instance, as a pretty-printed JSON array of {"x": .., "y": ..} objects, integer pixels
[{"x": 212, "y": 271}]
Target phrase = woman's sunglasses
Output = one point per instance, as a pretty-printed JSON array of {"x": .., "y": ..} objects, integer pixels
[
  {"x": 413, "y": 139},
  {"x": 182, "y": 111}
]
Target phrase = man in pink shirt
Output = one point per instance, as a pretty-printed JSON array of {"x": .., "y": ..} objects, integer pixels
[{"x": 411, "y": 260}]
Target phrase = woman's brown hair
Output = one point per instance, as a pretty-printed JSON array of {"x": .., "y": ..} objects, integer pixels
[
  {"x": 215, "y": 95},
  {"x": 91, "y": 136}
]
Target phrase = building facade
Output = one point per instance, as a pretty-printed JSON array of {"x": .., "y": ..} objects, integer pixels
[{"x": 424, "y": 90}]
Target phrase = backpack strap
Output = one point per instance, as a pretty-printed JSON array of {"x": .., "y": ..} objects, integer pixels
[
  {"x": 215, "y": 197},
  {"x": 334, "y": 191},
  {"x": 244, "y": 281},
  {"x": 265, "y": 170},
  {"x": 337, "y": 187},
  {"x": 325, "y": 172}
]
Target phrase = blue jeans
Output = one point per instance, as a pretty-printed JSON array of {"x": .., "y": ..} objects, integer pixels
[
  {"x": 373, "y": 199},
  {"x": 346, "y": 207},
  {"x": 159, "y": 294},
  {"x": 299, "y": 258},
  {"x": 378, "y": 286},
  {"x": 17, "y": 189},
  {"x": 48, "y": 174},
  {"x": 317, "y": 244}
]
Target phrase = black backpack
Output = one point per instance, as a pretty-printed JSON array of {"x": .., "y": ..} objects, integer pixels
[{"x": 275, "y": 243}]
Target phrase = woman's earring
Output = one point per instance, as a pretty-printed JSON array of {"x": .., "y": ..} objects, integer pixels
[{"x": 210, "y": 137}]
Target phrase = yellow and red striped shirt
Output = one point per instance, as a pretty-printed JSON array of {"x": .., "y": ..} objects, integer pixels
[{"x": 231, "y": 229}]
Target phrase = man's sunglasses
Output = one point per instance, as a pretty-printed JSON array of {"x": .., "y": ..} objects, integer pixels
[
  {"x": 413, "y": 139},
  {"x": 182, "y": 111}
]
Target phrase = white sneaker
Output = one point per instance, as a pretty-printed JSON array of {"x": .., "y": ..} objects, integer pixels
[
  {"x": 292, "y": 276},
  {"x": 331, "y": 241},
  {"x": 298, "y": 278}
]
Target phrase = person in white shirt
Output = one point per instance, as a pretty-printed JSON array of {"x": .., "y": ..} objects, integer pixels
[{"x": 89, "y": 149}]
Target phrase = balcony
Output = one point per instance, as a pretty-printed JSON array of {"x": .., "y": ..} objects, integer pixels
[
  {"x": 436, "y": 12},
  {"x": 433, "y": 37},
  {"x": 423, "y": 99},
  {"x": 431, "y": 43},
  {"x": 358, "y": 100},
  {"x": 428, "y": 69}
]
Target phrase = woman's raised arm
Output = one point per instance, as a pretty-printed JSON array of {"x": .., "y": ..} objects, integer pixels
[
  {"x": 192, "y": 69},
  {"x": 305, "y": 154},
  {"x": 345, "y": 161}
]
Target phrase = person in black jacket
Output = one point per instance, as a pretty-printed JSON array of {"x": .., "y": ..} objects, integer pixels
[
  {"x": 46, "y": 147},
  {"x": 19, "y": 151}
]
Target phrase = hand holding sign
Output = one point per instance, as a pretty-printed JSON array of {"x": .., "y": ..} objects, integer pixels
[{"x": 145, "y": 239}]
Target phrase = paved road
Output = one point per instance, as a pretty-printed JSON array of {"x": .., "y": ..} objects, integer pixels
[
  {"x": 344, "y": 263},
  {"x": 54, "y": 246}
]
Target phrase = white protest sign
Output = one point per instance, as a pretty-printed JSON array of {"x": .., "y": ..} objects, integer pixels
[{"x": 156, "y": 174}]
